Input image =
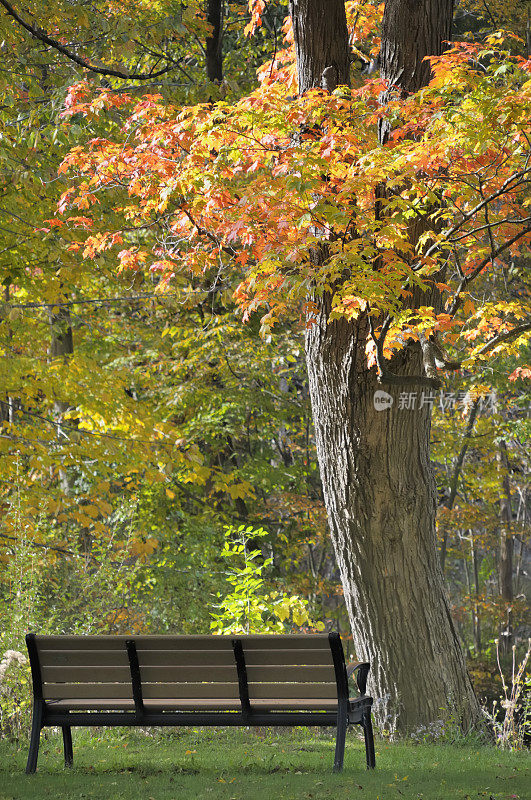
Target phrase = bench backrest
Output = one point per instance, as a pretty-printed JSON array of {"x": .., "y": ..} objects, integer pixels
[{"x": 262, "y": 667}]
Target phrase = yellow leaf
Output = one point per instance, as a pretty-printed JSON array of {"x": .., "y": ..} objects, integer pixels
[
  {"x": 300, "y": 616},
  {"x": 92, "y": 511}
]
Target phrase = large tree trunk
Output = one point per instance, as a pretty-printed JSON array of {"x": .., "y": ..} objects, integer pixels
[{"x": 375, "y": 467}]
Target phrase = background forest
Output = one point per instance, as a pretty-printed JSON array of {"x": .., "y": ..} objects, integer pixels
[{"x": 158, "y": 466}]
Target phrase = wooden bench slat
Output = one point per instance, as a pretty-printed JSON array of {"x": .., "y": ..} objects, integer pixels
[
  {"x": 196, "y": 674},
  {"x": 292, "y": 674},
  {"x": 151, "y": 691},
  {"x": 169, "y": 658},
  {"x": 92, "y": 704},
  {"x": 163, "y": 704},
  {"x": 214, "y": 704},
  {"x": 114, "y": 691},
  {"x": 108, "y": 643},
  {"x": 267, "y": 642},
  {"x": 178, "y": 674},
  {"x": 84, "y": 658},
  {"x": 305, "y": 657},
  {"x": 274, "y": 674},
  {"x": 185, "y": 658},
  {"x": 117, "y": 643},
  {"x": 218, "y": 658},
  {"x": 281, "y": 704},
  {"x": 91, "y": 674},
  {"x": 295, "y": 641},
  {"x": 164, "y": 674},
  {"x": 271, "y": 691},
  {"x": 207, "y": 642},
  {"x": 295, "y": 704},
  {"x": 259, "y": 691},
  {"x": 258, "y": 674}
]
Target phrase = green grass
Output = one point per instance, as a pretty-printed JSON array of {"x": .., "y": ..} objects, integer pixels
[{"x": 266, "y": 765}]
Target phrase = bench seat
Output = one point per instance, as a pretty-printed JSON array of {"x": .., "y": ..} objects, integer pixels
[
  {"x": 213, "y": 704},
  {"x": 298, "y": 679}
]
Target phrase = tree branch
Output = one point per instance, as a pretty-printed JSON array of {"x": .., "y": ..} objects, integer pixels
[
  {"x": 44, "y": 546},
  {"x": 461, "y": 457},
  {"x": 505, "y": 187},
  {"x": 98, "y": 300},
  {"x": 503, "y": 337},
  {"x": 42, "y": 36},
  {"x": 439, "y": 356},
  {"x": 444, "y": 363},
  {"x": 465, "y": 280},
  {"x": 204, "y": 232},
  {"x": 384, "y": 376},
  {"x": 458, "y": 466}
]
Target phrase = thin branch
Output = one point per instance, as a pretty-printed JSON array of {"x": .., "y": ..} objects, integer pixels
[
  {"x": 465, "y": 280},
  {"x": 45, "y": 546},
  {"x": 161, "y": 56},
  {"x": 489, "y": 12},
  {"x": 74, "y": 428},
  {"x": 462, "y": 453},
  {"x": 505, "y": 187},
  {"x": 503, "y": 337},
  {"x": 489, "y": 225},
  {"x": 98, "y": 300},
  {"x": 204, "y": 232},
  {"x": 443, "y": 363},
  {"x": 42, "y": 36}
]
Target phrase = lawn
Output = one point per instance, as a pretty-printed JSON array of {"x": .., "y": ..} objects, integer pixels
[{"x": 257, "y": 765}]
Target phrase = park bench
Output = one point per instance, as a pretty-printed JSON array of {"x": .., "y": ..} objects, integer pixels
[{"x": 195, "y": 680}]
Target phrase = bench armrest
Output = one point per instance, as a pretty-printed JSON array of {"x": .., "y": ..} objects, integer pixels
[{"x": 362, "y": 668}]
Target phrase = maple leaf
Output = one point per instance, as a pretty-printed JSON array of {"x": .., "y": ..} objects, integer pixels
[{"x": 520, "y": 372}]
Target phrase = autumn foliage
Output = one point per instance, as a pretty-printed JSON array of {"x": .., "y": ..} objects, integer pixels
[{"x": 247, "y": 190}]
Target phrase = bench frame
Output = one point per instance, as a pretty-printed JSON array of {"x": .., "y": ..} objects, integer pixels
[{"x": 349, "y": 710}]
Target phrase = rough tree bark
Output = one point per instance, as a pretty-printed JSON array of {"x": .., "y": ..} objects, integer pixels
[{"x": 378, "y": 483}]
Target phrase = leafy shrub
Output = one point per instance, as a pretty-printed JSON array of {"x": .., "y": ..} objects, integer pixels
[
  {"x": 249, "y": 608},
  {"x": 15, "y": 695}
]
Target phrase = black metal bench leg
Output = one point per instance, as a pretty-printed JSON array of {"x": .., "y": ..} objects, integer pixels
[
  {"x": 67, "y": 745},
  {"x": 369, "y": 739},
  {"x": 342, "y": 722},
  {"x": 36, "y": 728}
]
